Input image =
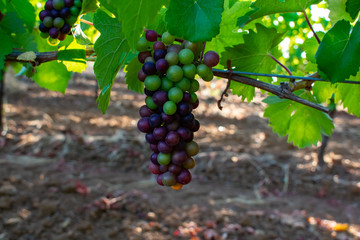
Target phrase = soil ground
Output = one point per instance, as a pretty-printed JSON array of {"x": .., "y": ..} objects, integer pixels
[{"x": 69, "y": 172}]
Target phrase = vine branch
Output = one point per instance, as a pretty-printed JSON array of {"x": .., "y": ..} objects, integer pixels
[{"x": 310, "y": 26}]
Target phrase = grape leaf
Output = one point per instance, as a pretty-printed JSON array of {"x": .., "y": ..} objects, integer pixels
[
  {"x": 353, "y": 8},
  {"x": 52, "y": 76},
  {"x": 338, "y": 53},
  {"x": 111, "y": 49},
  {"x": 303, "y": 125},
  {"x": 135, "y": 15},
  {"x": 337, "y": 10},
  {"x": 103, "y": 99},
  {"x": 311, "y": 45},
  {"x": 25, "y": 11},
  {"x": 253, "y": 56},
  {"x": 88, "y": 6},
  {"x": 80, "y": 36},
  {"x": 131, "y": 77},
  {"x": 73, "y": 57},
  {"x": 194, "y": 20},
  {"x": 6, "y": 46},
  {"x": 229, "y": 35},
  {"x": 267, "y": 7},
  {"x": 349, "y": 94},
  {"x": 323, "y": 91},
  {"x": 11, "y": 23}
]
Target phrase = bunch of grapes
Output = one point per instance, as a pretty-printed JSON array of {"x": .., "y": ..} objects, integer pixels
[
  {"x": 58, "y": 18},
  {"x": 168, "y": 73}
]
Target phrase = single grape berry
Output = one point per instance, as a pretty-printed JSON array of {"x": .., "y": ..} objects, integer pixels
[
  {"x": 160, "y": 97},
  {"x": 48, "y": 22},
  {"x": 184, "y": 177},
  {"x": 65, "y": 12},
  {"x": 54, "y": 32},
  {"x": 186, "y": 56},
  {"x": 159, "y": 54},
  {"x": 69, "y": 3},
  {"x": 162, "y": 65},
  {"x": 58, "y": 22},
  {"x": 74, "y": 11},
  {"x": 149, "y": 68},
  {"x": 144, "y": 125},
  {"x": 65, "y": 29},
  {"x": 49, "y": 5},
  {"x": 44, "y": 14},
  {"x": 78, "y": 3},
  {"x": 144, "y": 111},
  {"x": 151, "y": 35},
  {"x": 58, "y": 4},
  {"x": 42, "y": 28},
  {"x": 141, "y": 75},
  {"x": 143, "y": 55},
  {"x": 55, "y": 13},
  {"x": 159, "y": 45},
  {"x": 142, "y": 45},
  {"x": 211, "y": 59},
  {"x": 167, "y": 38}
]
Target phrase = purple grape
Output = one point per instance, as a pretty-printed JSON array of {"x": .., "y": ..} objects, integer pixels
[
  {"x": 159, "y": 45},
  {"x": 184, "y": 108},
  {"x": 174, "y": 48},
  {"x": 141, "y": 75},
  {"x": 211, "y": 59},
  {"x": 180, "y": 146},
  {"x": 159, "y": 54},
  {"x": 167, "y": 118},
  {"x": 168, "y": 179},
  {"x": 49, "y": 5},
  {"x": 151, "y": 35},
  {"x": 172, "y": 138},
  {"x": 160, "y": 97},
  {"x": 162, "y": 65},
  {"x": 195, "y": 104},
  {"x": 143, "y": 55},
  {"x": 148, "y": 92},
  {"x": 175, "y": 169},
  {"x": 164, "y": 148},
  {"x": 184, "y": 177},
  {"x": 155, "y": 169},
  {"x": 173, "y": 126},
  {"x": 164, "y": 168},
  {"x": 159, "y": 179},
  {"x": 144, "y": 111},
  {"x": 155, "y": 120},
  {"x": 55, "y": 13},
  {"x": 43, "y": 14},
  {"x": 65, "y": 12},
  {"x": 189, "y": 138},
  {"x": 150, "y": 138},
  {"x": 195, "y": 127},
  {"x": 149, "y": 68},
  {"x": 69, "y": 3},
  {"x": 160, "y": 133},
  {"x": 184, "y": 133},
  {"x": 143, "y": 125},
  {"x": 65, "y": 29},
  {"x": 187, "y": 97},
  {"x": 178, "y": 157},
  {"x": 188, "y": 120},
  {"x": 153, "y": 158},
  {"x": 42, "y": 28},
  {"x": 54, "y": 32},
  {"x": 154, "y": 148}
]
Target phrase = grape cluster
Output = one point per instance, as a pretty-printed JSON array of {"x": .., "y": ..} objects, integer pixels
[
  {"x": 58, "y": 18},
  {"x": 168, "y": 73}
]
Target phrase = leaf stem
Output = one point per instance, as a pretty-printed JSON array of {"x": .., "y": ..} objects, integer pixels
[
  {"x": 282, "y": 65},
  {"x": 86, "y": 22},
  {"x": 1, "y": 16},
  {"x": 310, "y": 26}
]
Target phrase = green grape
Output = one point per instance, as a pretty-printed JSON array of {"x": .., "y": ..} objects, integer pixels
[
  {"x": 164, "y": 158},
  {"x": 172, "y": 58},
  {"x": 48, "y": 22},
  {"x": 58, "y": 4},
  {"x": 186, "y": 56},
  {"x": 150, "y": 103},
  {"x": 189, "y": 71},
  {"x": 77, "y": 3},
  {"x": 44, "y": 35},
  {"x": 204, "y": 71},
  {"x": 174, "y": 73},
  {"x": 142, "y": 45},
  {"x": 184, "y": 84},
  {"x": 175, "y": 94},
  {"x": 193, "y": 97},
  {"x": 59, "y": 22},
  {"x": 167, "y": 38},
  {"x": 192, "y": 148},
  {"x": 169, "y": 108},
  {"x": 71, "y": 20},
  {"x": 152, "y": 82},
  {"x": 166, "y": 84},
  {"x": 74, "y": 11},
  {"x": 194, "y": 86}
]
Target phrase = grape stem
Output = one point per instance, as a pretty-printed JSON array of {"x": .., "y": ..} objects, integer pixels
[
  {"x": 282, "y": 91},
  {"x": 282, "y": 65},
  {"x": 86, "y": 22},
  {"x": 310, "y": 26},
  {"x": 202, "y": 53}
]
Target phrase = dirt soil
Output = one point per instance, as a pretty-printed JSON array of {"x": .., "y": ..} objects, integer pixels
[{"x": 69, "y": 172}]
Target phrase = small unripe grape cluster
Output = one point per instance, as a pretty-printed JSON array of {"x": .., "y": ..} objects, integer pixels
[
  {"x": 168, "y": 73},
  {"x": 58, "y": 17}
]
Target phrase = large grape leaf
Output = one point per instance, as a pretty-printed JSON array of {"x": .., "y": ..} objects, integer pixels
[
  {"x": 6, "y": 46},
  {"x": 25, "y": 11},
  {"x": 253, "y": 56},
  {"x": 89, "y": 6},
  {"x": 339, "y": 51},
  {"x": 111, "y": 49},
  {"x": 229, "y": 35},
  {"x": 337, "y": 10},
  {"x": 135, "y": 15},
  {"x": 303, "y": 125},
  {"x": 131, "y": 77},
  {"x": 73, "y": 57},
  {"x": 194, "y": 20},
  {"x": 349, "y": 95},
  {"x": 267, "y": 7},
  {"x": 52, "y": 76},
  {"x": 353, "y": 8}
]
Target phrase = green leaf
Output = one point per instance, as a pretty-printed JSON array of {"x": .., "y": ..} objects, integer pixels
[
  {"x": 303, "y": 125},
  {"x": 338, "y": 53},
  {"x": 135, "y": 15},
  {"x": 337, "y": 10},
  {"x": 349, "y": 95},
  {"x": 6, "y": 47},
  {"x": 194, "y": 20},
  {"x": 80, "y": 36},
  {"x": 111, "y": 49},
  {"x": 253, "y": 56},
  {"x": 11, "y": 23},
  {"x": 159, "y": 24},
  {"x": 103, "y": 99},
  {"x": 25, "y": 11},
  {"x": 229, "y": 36},
  {"x": 353, "y": 8},
  {"x": 267, "y": 7},
  {"x": 89, "y": 6},
  {"x": 73, "y": 57},
  {"x": 323, "y": 91},
  {"x": 52, "y": 76},
  {"x": 131, "y": 77},
  {"x": 311, "y": 45}
]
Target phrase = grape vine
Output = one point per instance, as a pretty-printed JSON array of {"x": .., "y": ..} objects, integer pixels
[{"x": 264, "y": 40}]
